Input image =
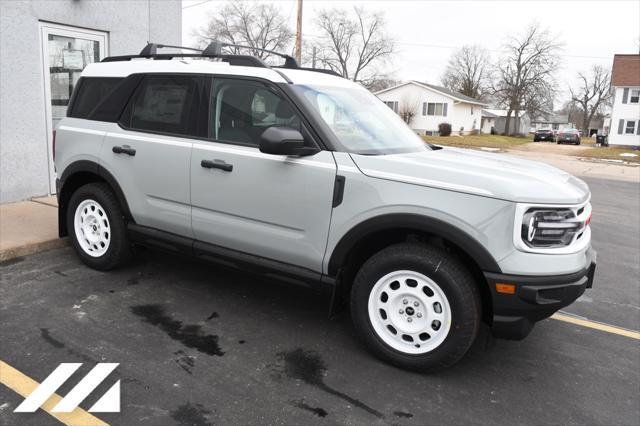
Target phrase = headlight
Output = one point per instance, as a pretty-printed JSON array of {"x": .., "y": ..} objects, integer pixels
[
  {"x": 549, "y": 228},
  {"x": 552, "y": 229}
]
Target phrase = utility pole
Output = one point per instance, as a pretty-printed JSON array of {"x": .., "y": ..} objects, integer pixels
[{"x": 298, "y": 48}]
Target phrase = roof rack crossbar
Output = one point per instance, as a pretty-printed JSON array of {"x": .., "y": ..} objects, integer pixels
[
  {"x": 214, "y": 50},
  {"x": 216, "y": 47},
  {"x": 151, "y": 49}
]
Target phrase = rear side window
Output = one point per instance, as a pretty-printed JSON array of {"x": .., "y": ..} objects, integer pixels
[
  {"x": 167, "y": 104},
  {"x": 91, "y": 91}
]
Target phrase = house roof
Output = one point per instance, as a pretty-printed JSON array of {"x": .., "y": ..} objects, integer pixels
[
  {"x": 442, "y": 90},
  {"x": 551, "y": 118},
  {"x": 626, "y": 70},
  {"x": 486, "y": 113},
  {"x": 500, "y": 113}
]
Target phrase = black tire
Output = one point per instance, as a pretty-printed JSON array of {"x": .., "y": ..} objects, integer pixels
[
  {"x": 119, "y": 248},
  {"x": 448, "y": 272}
]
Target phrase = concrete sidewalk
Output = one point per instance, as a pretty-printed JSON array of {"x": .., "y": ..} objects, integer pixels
[{"x": 29, "y": 227}]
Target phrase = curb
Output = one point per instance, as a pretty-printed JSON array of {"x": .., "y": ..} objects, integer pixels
[{"x": 27, "y": 249}]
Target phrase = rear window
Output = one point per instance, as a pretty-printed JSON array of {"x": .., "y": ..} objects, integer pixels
[{"x": 92, "y": 91}]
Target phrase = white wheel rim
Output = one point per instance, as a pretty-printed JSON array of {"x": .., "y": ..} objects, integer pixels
[
  {"x": 92, "y": 228},
  {"x": 412, "y": 305}
]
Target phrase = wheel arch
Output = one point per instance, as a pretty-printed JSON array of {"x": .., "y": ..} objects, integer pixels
[
  {"x": 376, "y": 233},
  {"x": 80, "y": 173}
]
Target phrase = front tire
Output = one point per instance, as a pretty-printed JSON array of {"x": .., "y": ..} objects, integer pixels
[
  {"x": 416, "y": 306},
  {"x": 97, "y": 227}
]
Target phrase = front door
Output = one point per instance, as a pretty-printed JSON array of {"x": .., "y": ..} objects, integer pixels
[
  {"x": 275, "y": 207},
  {"x": 65, "y": 53}
]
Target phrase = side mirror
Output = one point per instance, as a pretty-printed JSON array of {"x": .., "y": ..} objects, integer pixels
[{"x": 284, "y": 141}]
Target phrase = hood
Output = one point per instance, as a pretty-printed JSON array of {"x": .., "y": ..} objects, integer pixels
[{"x": 479, "y": 173}]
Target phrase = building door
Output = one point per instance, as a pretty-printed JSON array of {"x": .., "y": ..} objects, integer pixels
[{"x": 65, "y": 53}]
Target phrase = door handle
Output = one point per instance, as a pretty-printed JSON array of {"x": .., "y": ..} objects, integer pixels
[
  {"x": 124, "y": 149},
  {"x": 217, "y": 164}
]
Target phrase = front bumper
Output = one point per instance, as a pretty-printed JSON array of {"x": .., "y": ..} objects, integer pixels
[{"x": 535, "y": 298}]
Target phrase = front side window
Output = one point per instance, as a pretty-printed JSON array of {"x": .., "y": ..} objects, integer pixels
[
  {"x": 242, "y": 109},
  {"x": 635, "y": 96},
  {"x": 165, "y": 104},
  {"x": 630, "y": 127},
  {"x": 360, "y": 123}
]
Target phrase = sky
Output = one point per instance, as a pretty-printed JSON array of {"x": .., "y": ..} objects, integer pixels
[{"x": 426, "y": 33}]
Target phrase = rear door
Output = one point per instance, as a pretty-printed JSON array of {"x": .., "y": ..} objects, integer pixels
[
  {"x": 149, "y": 151},
  {"x": 275, "y": 207}
]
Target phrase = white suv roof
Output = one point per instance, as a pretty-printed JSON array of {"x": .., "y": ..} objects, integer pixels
[{"x": 206, "y": 66}]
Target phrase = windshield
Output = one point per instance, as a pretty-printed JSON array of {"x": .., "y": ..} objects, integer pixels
[{"x": 361, "y": 123}]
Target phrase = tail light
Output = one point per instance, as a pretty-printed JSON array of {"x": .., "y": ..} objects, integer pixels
[{"x": 53, "y": 145}]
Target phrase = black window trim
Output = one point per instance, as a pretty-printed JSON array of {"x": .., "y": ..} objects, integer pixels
[
  {"x": 319, "y": 137},
  {"x": 126, "y": 111},
  {"x": 278, "y": 90}
]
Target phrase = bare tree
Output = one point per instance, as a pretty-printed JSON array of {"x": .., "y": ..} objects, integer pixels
[
  {"x": 408, "y": 109},
  {"x": 242, "y": 22},
  {"x": 353, "y": 45},
  {"x": 468, "y": 72},
  {"x": 526, "y": 75},
  {"x": 591, "y": 93}
]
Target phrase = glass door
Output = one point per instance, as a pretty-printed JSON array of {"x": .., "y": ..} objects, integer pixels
[{"x": 65, "y": 53}]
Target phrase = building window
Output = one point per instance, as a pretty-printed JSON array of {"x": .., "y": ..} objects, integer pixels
[
  {"x": 471, "y": 109},
  {"x": 393, "y": 105},
  {"x": 630, "y": 128},
  {"x": 635, "y": 96},
  {"x": 436, "y": 109}
]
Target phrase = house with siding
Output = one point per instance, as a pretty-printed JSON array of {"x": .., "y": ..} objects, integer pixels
[
  {"x": 551, "y": 121},
  {"x": 433, "y": 105},
  {"x": 625, "y": 111},
  {"x": 520, "y": 125}
]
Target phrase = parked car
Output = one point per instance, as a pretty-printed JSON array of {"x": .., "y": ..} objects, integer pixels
[
  {"x": 306, "y": 176},
  {"x": 568, "y": 136},
  {"x": 543, "y": 135}
]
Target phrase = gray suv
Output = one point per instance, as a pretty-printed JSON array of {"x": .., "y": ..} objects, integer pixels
[{"x": 304, "y": 176}]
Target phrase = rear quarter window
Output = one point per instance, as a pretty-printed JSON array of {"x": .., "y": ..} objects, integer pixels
[{"x": 91, "y": 92}]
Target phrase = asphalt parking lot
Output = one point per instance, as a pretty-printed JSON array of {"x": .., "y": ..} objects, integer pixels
[{"x": 201, "y": 345}]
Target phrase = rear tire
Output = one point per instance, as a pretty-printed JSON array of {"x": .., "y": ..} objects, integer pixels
[
  {"x": 97, "y": 227},
  {"x": 416, "y": 306}
]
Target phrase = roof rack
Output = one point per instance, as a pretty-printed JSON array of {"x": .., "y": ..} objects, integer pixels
[{"x": 214, "y": 50}]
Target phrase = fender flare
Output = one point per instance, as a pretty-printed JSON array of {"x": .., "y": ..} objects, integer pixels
[
  {"x": 94, "y": 168},
  {"x": 427, "y": 224}
]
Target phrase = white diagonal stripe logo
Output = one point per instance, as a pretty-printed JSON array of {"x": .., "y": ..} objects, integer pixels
[
  {"x": 109, "y": 402},
  {"x": 85, "y": 387},
  {"x": 48, "y": 387}
]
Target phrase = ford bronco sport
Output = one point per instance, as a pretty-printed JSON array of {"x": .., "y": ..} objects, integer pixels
[{"x": 305, "y": 176}]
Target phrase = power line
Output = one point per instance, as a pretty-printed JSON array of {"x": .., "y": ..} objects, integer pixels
[
  {"x": 444, "y": 46},
  {"x": 196, "y": 4}
]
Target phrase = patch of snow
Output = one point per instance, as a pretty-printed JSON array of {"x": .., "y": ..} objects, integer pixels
[
  {"x": 484, "y": 148},
  {"x": 628, "y": 154}
]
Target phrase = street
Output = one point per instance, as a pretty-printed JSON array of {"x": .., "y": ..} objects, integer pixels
[{"x": 202, "y": 345}]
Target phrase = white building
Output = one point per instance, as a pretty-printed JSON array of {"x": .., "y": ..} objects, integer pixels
[
  {"x": 551, "y": 121},
  {"x": 517, "y": 126},
  {"x": 433, "y": 105},
  {"x": 44, "y": 45},
  {"x": 625, "y": 111}
]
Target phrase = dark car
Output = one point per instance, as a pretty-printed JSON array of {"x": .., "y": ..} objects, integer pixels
[
  {"x": 569, "y": 136},
  {"x": 543, "y": 135}
]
